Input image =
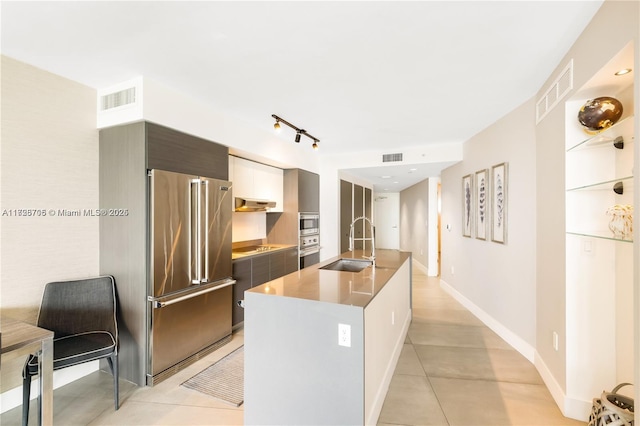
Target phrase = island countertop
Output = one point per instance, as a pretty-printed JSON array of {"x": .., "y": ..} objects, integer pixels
[{"x": 345, "y": 288}]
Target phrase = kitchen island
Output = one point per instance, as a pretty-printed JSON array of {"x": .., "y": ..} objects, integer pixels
[{"x": 321, "y": 345}]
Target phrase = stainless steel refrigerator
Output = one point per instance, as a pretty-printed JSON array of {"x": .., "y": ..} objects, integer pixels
[{"x": 190, "y": 293}]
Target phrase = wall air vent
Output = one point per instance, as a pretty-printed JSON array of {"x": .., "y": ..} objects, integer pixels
[
  {"x": 554, "y": 94},
  {"x": 118, "y": 99},
  {"x": 387, "y": 158}
]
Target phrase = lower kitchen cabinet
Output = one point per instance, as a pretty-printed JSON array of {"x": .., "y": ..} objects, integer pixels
[
  {"x": 290, "y": 260},
  {"x": 260, "y": 271},
  {"x": 242, "y": 275},
  {"x": 276, "y": 264},
  {"x": 256, "y": 270}
]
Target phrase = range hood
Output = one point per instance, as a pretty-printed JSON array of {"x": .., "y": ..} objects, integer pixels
[{"x": 253, "y": 205}]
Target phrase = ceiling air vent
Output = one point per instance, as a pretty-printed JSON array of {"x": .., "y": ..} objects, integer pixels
[
  {"x": 118, "y": 99},
  {"x": 558, "y": 90},
  {"x": 387, "y": 158}
]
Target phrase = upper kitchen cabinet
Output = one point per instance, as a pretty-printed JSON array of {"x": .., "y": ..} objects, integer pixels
[
  {"x": 302, "y": 191},
  {"x": 174, "y": 151},
  {"x": 258, "y": 181}
]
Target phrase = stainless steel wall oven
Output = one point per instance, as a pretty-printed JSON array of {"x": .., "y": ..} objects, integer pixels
[
  {"x": 309, "y": 239},
  {"x": 309, "y": 223}
]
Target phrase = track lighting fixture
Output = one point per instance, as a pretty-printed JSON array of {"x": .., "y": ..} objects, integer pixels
[{"x": 298, "y": 131}]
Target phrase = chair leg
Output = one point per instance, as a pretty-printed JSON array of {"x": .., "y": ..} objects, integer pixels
[
  {"x": 113, "y": 364},
  {"x": 26, "y": 395}
]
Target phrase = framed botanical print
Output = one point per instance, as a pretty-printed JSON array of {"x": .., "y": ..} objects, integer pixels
[
  {"x": 499, "y": 202},
  {"x": 482, "y": 203},
  {"x": 467, "y": 205}
]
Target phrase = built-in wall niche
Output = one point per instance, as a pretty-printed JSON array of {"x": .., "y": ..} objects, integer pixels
[{"x": 599, "y": 264}]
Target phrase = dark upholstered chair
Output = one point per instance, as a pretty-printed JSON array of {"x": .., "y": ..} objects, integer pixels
[{"x": 82, "y": 315}]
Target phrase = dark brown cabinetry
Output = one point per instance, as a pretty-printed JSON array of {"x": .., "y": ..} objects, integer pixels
[
  {"x": 290, "y": 260},
  {"x": 308, "y": 191},
  {"x": 346, "y": 213},
  {"x": 355, "y": 201},
  {"x": 174, "y": 151},
  {"x": 301, "y": 191},
  {"x": 256, "y": 270}
]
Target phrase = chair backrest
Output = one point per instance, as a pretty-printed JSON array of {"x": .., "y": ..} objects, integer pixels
[{"x": 72, "y": 307}]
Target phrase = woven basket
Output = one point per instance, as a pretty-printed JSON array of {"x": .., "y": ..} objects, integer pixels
[{"x": 612, "y": 409}]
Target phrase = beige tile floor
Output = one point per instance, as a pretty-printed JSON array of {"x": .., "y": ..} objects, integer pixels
[{"x": 453, "y": 370}]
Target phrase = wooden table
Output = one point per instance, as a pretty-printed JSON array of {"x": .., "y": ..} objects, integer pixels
[{"x": 19, "y": 339}]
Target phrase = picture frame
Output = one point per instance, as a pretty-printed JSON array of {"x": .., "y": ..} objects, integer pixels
[
  {"x": 481, "y": 195},
  {"x": 499, "y": 202},
  {"x": 467, "y": 205}
]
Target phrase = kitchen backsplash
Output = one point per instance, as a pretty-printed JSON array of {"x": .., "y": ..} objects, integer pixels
[{"x": 249, "y": 226}]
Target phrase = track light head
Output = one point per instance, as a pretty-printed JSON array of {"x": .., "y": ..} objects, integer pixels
[
  {"x": 315, "y": 145},
  {"x": 276, "y": 126},
  {"x": 298, "y": 137}
]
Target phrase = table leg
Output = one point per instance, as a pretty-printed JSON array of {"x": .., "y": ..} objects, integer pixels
[{"x": 45, "y": 373}]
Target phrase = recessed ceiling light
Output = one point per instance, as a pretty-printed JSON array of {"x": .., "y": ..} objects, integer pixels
[
  {"x": 396, "y": 182},
  {"x": 623, "y": 71},
  {"x": 385, "y": 177},
  {"x": 413, "y": 170}
]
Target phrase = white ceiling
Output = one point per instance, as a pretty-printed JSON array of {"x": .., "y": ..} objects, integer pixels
[{"x": 359, "y": 75}]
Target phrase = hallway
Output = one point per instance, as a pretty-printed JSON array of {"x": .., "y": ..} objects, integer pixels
[{"x": 453, "y": 370}]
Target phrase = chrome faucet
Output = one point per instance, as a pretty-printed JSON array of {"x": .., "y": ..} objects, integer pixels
[{"x": 372, "y": 258}]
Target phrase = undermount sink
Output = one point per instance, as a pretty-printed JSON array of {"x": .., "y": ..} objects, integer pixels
[{"x": 348, "y": 265}]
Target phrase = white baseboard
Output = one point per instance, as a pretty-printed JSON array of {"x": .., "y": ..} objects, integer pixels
[
  {"x": 507, "y": 335},
  {"x": 570, "y": 407},
  {"x": 13, "y": 397}
]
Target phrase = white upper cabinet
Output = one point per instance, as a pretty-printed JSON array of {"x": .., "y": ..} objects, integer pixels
[{"x": 256, "y": 180}]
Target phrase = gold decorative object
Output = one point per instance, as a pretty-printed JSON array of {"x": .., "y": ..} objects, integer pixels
[{"x": 600, "y": 113}]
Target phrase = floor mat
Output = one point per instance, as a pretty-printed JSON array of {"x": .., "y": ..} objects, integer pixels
[{"x": 223, "y": 380}]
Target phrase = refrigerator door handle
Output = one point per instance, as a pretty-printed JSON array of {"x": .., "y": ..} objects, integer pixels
[
  {"x": 161, "y": 304},
  {"x": 195, "y": 259},
  {"x": 204, "y": 278}
]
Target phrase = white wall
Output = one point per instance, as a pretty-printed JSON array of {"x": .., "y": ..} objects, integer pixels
[
  {"x": 595, "y": 46},
  {"x": 497, "y": 280},
  {"x": 414, "y": 222},
  {"x": 386, "y": 210}
]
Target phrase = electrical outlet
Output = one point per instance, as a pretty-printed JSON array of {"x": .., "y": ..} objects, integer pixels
[
  {"x": 344, "y": 335},
  {"x": 555, "y": 340}
]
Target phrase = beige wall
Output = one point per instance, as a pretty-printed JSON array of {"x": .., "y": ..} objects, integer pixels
[
  {"x": 49, "y": 162},
  {"x": 414, "y": 216},
  {"x": 498, "y": 280}
]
